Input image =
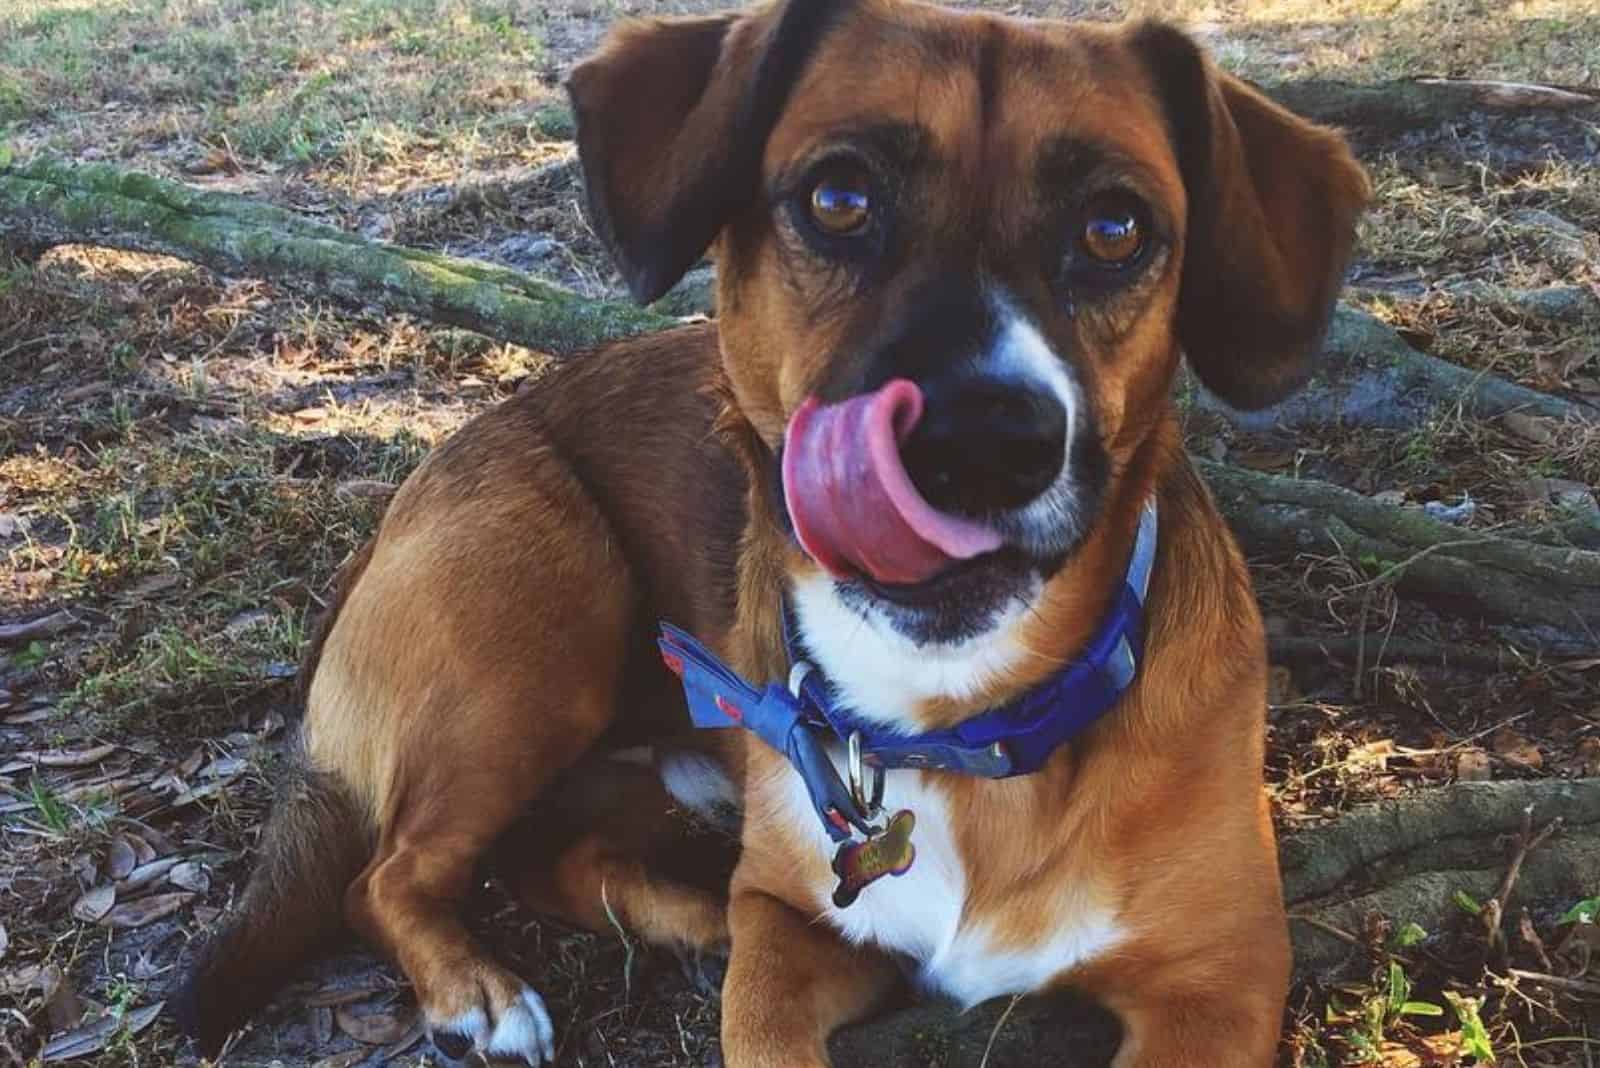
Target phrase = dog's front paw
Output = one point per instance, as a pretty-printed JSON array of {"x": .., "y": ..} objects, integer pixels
[{"x": 518, "y": 1028}]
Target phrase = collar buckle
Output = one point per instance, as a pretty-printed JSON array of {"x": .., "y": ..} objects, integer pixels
[{"x": 873, "y": 805}]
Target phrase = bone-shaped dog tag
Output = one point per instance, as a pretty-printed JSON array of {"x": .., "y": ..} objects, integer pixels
[{"x": 889, "y": 852}]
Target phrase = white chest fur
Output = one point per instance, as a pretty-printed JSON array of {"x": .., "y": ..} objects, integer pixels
[
  {"x": 923, "y": 914},
  {"x": 884, "y": 673}
]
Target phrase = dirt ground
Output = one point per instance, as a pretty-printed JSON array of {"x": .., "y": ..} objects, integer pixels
[{"x": 185, "y": 459}]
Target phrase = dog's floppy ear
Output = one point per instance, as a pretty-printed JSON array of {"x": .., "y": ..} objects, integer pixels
[
  {"x": 673, "y": 116},
  {"x": 1273, "y": 205}
]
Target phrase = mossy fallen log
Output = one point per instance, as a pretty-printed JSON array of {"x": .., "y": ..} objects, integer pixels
[
  {"x": 1420, "y": 103},
  {"x": 45, "y": 202}
]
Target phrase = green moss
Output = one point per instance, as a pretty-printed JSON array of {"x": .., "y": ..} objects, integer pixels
[{"x": 555, "y": 122}]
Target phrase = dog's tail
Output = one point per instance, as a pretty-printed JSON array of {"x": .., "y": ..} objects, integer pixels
[{"x": 315, "y": 843}]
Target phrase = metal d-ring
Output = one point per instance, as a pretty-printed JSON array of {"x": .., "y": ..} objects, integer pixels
[
  {"x": 858, "y": 793},
  {"x": 797, "y": 677}
]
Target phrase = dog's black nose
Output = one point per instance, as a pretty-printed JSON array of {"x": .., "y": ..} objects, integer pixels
[{"x": 985, "y": 446}]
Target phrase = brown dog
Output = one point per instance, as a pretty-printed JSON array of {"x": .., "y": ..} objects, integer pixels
[{"x": 958, "y": 258}]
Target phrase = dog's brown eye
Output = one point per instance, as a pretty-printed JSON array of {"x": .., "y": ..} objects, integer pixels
[
  {"x": 1113, "y": 233},
  {"x": 841, "y": 205}
]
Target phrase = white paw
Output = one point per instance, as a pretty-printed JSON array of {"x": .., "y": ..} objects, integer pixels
[
  {"x": 521, "y": 1031},
  {"x": 524, "y": 1030}
]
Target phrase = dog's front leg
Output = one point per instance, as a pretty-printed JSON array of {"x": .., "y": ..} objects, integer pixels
[
  {"x": 791, "y": 983},
  {"x": 1225, "y": 1028}
]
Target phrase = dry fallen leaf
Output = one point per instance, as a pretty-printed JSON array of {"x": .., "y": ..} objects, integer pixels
[
  {"x": 62, "y": 1006},
  {"x": 93, "y": 1037},
  {"x": 365, "y": 487},
  {"x": 1514, "y": 749},
  {"x": 374, "y": 1029},
  {"x": 336, "y": 996},
  {"x": 320, "y": 1019},
  {"x": 1532, "y": 428},
  {"x": 146, "y": 910},
  {"x": 145, "y": 874},
  {"x": 191, "y": 763},
  {"x": 70, "y": 758},
  {"x": 152, "y": 585},
  {"x": 1472, "y": 765},
  {"x": 412, "y": 1036},
  {"x": 200, "y": 793},
  {"x": 84, "y": 867},
  {"x": 247, "y": 620},
  {"x": 343, "y": 1060},
  {"x": 190, "y": 875},
  {"x": 159, "y": 843},
  {"x": 120, "y": 858},
  {"x": 143, "y": 851},
  {"x": 14, "y": 982},
  {"x": 1372, "y": 755},
  {"x": 1586, "y": 761},
  {"x": 225, "y": 767},
  {"x": 93, "y": 906},
  {"x": 1553, "y": 369}
]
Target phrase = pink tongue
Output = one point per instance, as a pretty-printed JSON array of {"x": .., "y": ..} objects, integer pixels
[{"x": 853, "y": 505}]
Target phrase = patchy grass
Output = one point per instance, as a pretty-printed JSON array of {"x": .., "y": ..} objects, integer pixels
[
  {"x": 1438, "y": 217},
  {"x": 186, "y": 463},
  {"x": 1371, "y": 41},
  {"x": 360, "y": 87}
]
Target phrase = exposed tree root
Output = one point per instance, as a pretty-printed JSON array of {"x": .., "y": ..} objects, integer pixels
[
  {"x": 1502, "y": 579},
  {"x": 1424, "y": 102},
  {"x": 1368, "y": 376},
  {"x": 45, "y": 203}
]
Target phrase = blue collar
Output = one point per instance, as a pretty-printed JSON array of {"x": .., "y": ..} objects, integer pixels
[{"x": 1013, "y": 739}]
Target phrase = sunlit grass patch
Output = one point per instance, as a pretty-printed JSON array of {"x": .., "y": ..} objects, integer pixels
[
  {"x": 281, "y": 81},
  {"x": 1468, "y": 219},
  {"x": 1374, "y": 40},
  {"x": 209, "y": 557}
]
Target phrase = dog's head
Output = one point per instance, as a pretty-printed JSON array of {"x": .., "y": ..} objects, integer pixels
[{"x": 958, "y": 258}]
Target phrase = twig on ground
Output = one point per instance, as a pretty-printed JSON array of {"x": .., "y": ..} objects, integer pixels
[
  {"x": 995, "y": 1033},
  {"x": 1327, "y": 928},
  {"x": 1527, "y": 841},
  {"x": 1586, "y": 987},
  {"x": 43, "y": 627},
  {"x": 1531, "y": 936},
  {"x": 1348, "y": 647}
]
